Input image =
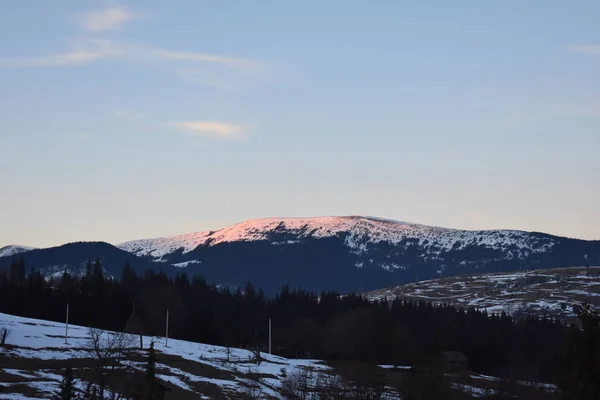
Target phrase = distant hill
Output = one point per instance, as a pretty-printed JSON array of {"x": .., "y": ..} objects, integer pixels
[
  {"x": 549, "y": 292},
  {"x": 11, "y": 250},
  {"x": 72, "y": 257}
]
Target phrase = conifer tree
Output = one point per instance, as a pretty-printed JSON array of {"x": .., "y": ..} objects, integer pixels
[
  {"x": 581, "y": 376},
  {"x": 67, "y": 391},
  {"x": 97, "y": 275},
  {"x": 151, "y": 365},
  {"x": 88, "y": 270},
  {"x": 152, "y": 389}
]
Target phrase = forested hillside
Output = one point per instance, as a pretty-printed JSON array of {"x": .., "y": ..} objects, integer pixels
[{"x": 305, "y": 324}]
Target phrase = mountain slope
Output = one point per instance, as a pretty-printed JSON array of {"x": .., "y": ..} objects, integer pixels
[
  {"x": 355, "y": 253},
  {"x": 36, "y": 356},
  {"x": 12, "y": 250},
  {"x": 72, "y": 257},
  {"x": 190, "y": 370},
  {"x": 550, "y": 292},
  {"x": 359, "y": 232}
]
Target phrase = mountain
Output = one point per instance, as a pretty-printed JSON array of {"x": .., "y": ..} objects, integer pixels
[
  {"x": 344, "y": 254},
  {"x": 73, "y": 257},
  {"x": 355, "y": 253},
  {"x": 12, "y": 250}
]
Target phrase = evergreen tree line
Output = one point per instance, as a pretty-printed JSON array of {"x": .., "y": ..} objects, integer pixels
[{"x": 304, "y": 324}]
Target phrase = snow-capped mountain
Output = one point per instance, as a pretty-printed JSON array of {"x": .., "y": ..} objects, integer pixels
[
  {"x": 355, "y": 253},
  {"x": 328, "y": 253},
  {"x": 358, "y": 232},
  {"x": 12, "y": 250}
]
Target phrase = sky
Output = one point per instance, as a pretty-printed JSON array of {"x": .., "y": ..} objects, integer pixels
[{"x": 134, "y": 119}]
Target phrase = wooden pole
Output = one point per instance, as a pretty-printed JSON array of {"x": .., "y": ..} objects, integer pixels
[
  {"x": 67, "y": 325},
  {"x": 269, "y": 335},
  {"x": 167, "y": 330}
]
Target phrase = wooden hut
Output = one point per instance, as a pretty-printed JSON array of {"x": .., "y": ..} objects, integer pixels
[{"x": 454, "y": 361}]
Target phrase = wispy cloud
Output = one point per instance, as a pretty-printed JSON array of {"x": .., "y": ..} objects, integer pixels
[
  {"x": 213, "y": 70},
  {"x": 205, "y": 57},
  {"x": 82, "y": 51},
  {"x": 88, "y": 50},
  {"x": 110, "y": 19},
  {"x": 205, "y": 78},
  {"x": 589, "y": 49},
  {"x": 128, "y": 115},
  {"x": 212, "y": 129}
]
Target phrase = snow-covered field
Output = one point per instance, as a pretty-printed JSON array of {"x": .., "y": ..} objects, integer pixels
[
  {"x": 550, "y": 291},
  {"x": 31, "y": 366},
  {"x": 32, "y": 339}
]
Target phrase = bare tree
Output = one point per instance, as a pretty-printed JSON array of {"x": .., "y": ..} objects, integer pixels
[
  {"x": 296, "y": 386},
  {"x": 109, "y": 351},
  {"x": 110, "y": 348},
  {"x": 334, "y": 387},
  {"x": 252, "y": 391}
]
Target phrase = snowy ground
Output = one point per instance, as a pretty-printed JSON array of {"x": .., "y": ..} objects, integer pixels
[
  {"x": 32, "y": 339},
  {"x": 541, "y": 292},
  {"x": 31, "y": 365}
]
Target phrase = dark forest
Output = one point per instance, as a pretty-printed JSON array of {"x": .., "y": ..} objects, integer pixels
[{"x": 324, "y": 325}]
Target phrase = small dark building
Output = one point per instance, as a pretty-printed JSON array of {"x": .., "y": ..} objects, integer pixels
[{"x": 454, "y": 361}]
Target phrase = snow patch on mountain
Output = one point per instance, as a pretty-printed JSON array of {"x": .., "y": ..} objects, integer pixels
[
  {"x": 186, "y": 263},
  {"x": 159, "y": 247},
  {"x": 358, "y": 233},
  {"x": 12, "y": 250}
]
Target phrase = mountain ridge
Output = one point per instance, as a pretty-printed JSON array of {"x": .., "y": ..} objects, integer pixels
[
  {"x": 250, "y": 230},
  {"x": 72, "y": 257},
  {"x": 343, "y": 254},
  {"x": 355, "y": 253}
]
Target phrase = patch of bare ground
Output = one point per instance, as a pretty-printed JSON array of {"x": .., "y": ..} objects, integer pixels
[
  {"x": 194, "y": 368},
  {"x": 513, "y": 389},
  {"x": 197, "y": 369}
]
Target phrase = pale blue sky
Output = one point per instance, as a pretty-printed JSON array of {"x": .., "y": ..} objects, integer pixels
[{"x": 123, "y": 120}]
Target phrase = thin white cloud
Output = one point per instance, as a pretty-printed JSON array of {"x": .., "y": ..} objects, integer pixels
[
  {"x": 205, "y": 78},
  {"x": 213, "y": 129},
  {"x": 88, "y": 50},
  {"x": 111, "y": 19},
  {"x": 83, "y": 51},
  {"x": 205, "y": 57},
  {"x": 589, "y": 49},
  {"x": 128, "y": 115}
]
